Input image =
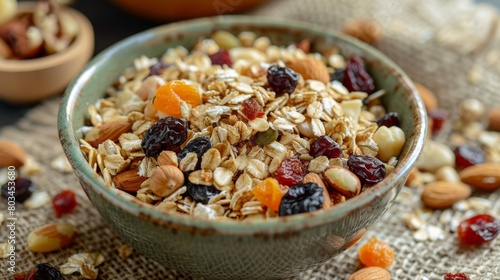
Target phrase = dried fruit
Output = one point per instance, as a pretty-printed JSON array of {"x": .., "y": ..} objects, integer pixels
[
  {"x": 442, "y": 194},
  {"x": 221, "y": 57},
  {"x": 266, "y": 137},
  {"x": 370, "y": 273},
  {"x": 20, "y": 188},
  {"x": 158, "y": 68},
  {"x": 376, "y": 253},
  {"x": 356, "y": 78},
  {"x": 342, "y": 180},
  {"x": 165, "y": 180},
  {"x": 366, "y": 30},
  {"x": 201, "y": 193},
  {"x": 389, "y": 119},
  {"x": 51, "y": 237},
  {"x": 252, "y": 109},
  {"x": 268, "y": 193},
  {"x": 469, "y": 154},
  {"x": 166, "y": 134},
  {"x": 325, "y": 146},
  {"x": 368, "y": 169},
  {"x": 479, "y": 229},
  {"x": 199, "y": 146},
  {"x": 11, "y": 154},
  {"x": 168, "y": 97},
  {"x": 301, "y": 198},
  {"x": 41, "y": 271},
  {"x": 438, "y": 117},
  {"x": 455, "y": 276},
  {"x": 311, "y": 69},
  {"x": 282, "y": 79},
  {"x": 485, "y": 176},
  {"x": 64, "y": 202},
  {"x": 291, "y": 171}
]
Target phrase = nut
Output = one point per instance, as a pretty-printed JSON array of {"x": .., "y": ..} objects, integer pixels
[
  {"x": 25, "y": 40},
  {"x": 51, "y": 237},
  {"x": 414, "y": 178},
  {"x": 165, "y": 180},
  {"x": 311, "y": 69},
  {"x": 447, "y": 173},
  {"x": 342, "y": 180},
  {"x": 484, "y": 176},
  {"x": 371, "y": 273},
  {"x": 315, "y": 178},
  {"x": 429, "y": 99},
  {"x": 5, "y": 51},
  {"x": 11, "y": 154},
  {"x": 366, "y": 30},
  {"x": 129, "y": 180},
  {"x": 434, "y": 156},
  {"x": 110, "y": 130},
  {"x": 442, "y": 194},
  {"x": 390, "y": 142},
  {"x": 471, "y": 110},
  {"x": 494, "y": 119}
]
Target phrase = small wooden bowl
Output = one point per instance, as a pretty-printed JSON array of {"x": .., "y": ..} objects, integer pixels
[{"x": 31, "y": 80}]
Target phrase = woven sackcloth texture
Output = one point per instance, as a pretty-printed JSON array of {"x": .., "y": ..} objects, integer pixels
[{"x": 450, "y": 46}]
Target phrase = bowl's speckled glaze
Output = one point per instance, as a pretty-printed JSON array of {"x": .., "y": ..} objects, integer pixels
[{"x": 236, "y": 250}]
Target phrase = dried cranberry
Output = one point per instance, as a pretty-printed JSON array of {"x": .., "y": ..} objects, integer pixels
[
  {"x": 282, "y": 79},
  {"x": 166, "y": 134},
  {"x": 456, "y": 276},
  {"x": 201, "y": 193},
  {"x": 64, "y": 202},
  {"x": 221, "y": 57},
  {"x": 356, "y": 78},
  {"x": 291, "y": 171},
  {"x": 479, "y": 229},
  {"x": 21, "y": 189},
  {"x": 468, "y": 154},
  {"x": 158, "y": 68},
  {"x": 325, "y": 146},
  {"x": 438, "y": 116},
  {"x": 252, "y": 109},
  {"x": 338, "y": 75},
  {"x": 301, "y": 198},
  {"x": 199, "y": 146},
  {"x": 389, "y": 119},
  {"x": 368, "y": 169}
]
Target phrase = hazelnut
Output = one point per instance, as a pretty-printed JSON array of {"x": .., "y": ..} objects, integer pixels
[
  {"x": 165, "y": 180},
  {"x": 366, "y": 30},
  {"x": 342, "y": 180}
]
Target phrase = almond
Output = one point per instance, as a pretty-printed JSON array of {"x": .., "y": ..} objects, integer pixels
[
  {"x": 166, "y": 179},
  {"x": 342, "y": 180},
  {"x": 484, "y": 176},
  {"x": 129, "y": 180},
  {"x": 443, "y": 194},
  {"x": 11, "y": 154},
  {"x": 366, "y": 30},
  {"x": 494, "y": 119},
  {"x": 311, "y": 69},
  {"x": 110, "y": 130},
  {"x": 51, "y": 237},
  {"x": 429, "y": 99},
  {"x": 371, "y": 273},
  {"x": 315, "y": 178}
]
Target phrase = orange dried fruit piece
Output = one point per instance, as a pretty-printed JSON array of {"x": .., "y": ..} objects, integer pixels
[
  {"x": 376, "y": 253},
  {"x": 268, "y": 192},
  {"x": 169, "y": 96}
]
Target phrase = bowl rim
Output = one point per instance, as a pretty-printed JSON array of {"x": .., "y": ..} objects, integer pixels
[
  {"x": 85, "y": 33},
  {"x": 189, "y": 223}
]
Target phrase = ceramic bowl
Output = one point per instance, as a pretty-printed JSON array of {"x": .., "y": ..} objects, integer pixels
[
  {"x": 31, "y": 80},
  {"x": 238, "y": 250}
]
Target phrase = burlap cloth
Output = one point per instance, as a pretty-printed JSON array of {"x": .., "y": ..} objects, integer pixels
[{"x": 447, "y": 45}]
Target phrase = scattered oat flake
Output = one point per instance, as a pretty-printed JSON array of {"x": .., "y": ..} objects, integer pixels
[
  {"x": 61, "y": 164},
  {"x": 4, "y": 250},
  {"x": 125, "y": 251},
  {"x": 31, "y": 167},
  {"x": 83, "y": 263},
  {"x": 37, "y": 199}
]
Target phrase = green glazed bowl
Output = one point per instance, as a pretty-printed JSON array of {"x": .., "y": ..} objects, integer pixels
[{"x": 239, "y": 250}]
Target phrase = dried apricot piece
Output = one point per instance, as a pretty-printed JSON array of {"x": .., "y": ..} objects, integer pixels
[
  {"x": 168, "y": 97},
  {"x": 376, "y": 253},
  {"x": 268, "y": 192},
  {"x": 187, "y": 92}
]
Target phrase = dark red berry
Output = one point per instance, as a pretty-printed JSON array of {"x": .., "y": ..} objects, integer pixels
[
  {"x": 479, "y": 229},
  {"x": 389, "y": 119},
  {"x": 158, "y": 68},
  {"x": 21, "y": 189},
  {"x": 468, "y": 154},
  {"x": 282, "y": 79},
  {"x": 356, "y": 78},
  {"x": 201, "y": 193},
  {"x": 368, "y": 169},
  {"x": 199, "y": 146},
  {"x": 221, "y": 57},
  {"x": 166, "y": 134},
  {"x": 291, "y": 172},
  {"x": 252, "y": 109},
  {"x": 325, "y": 146},
  {"x": 438, "y": 116},
  {"x": 456, "y": 276},
  {"x": 301, "y": 198},
  {"x": 64, "y": 202}
]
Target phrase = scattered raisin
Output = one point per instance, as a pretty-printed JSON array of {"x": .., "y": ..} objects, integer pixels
[
  {"x": 456, "y": 276},
  {"x": 368, "y": 169},
  {"x": 389, "y": 119},
  {"x": 21, "y": 189},
  {"x": 438, "y": 116},
  {"x": 41, "y": 271},
  {"x": 252, "y": 109},
  {"x": 266, "y": 137},
  {"x": 479, "y": 229},
  {"x": 166, "y": 134},
  {"x": 356, "y": 78},
  {"x": 282, "y": 79},
  {"x": 325, "y": 146},
  {"x": 468, "y": 154},
  {"x": 201, "y": 193},
  {"x": 221, "y": 57},
  {"x": 64, "y": 202},
  {"x": 301, "y": 198},
  {"x": 291, "y": 171},
  {"x": 199, "y": 146},
  {"x": 376, "y": 253}
]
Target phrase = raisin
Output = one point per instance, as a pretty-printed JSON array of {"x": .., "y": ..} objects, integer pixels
[
  {"x": 64, "y": 202},
  {"x": 199, "y": 146},
  {"x": 468, "y": 154},
  {"x": 438, "y": 116},
  {"x": 221, "y": 57},
  {"x": 368, "y": 169},
  {"x": 325, "y": 146},
  {"x": 291, "y": 171},
  {"x": 20, "y": 188},
  {"x": 376, "y": 253},
  {"x": 479, "y": 229},
  {"x": 338, "y": 75},
  {"x": 456, "y": 276},
  {"x": 158, "y": 68},
  {"x": 301, "y": 198},
  {"x": 45, "y": 271},
  {"x": 266, "y": 137},
  {"x": 282, "y": 79},
  {"x": 356, "y": 78},
  {"x": 201, "y": 193},
  {"x": 389, "y": 119},
  {"x": 166, "y": 134},
  {"x": 252, "y": 109}
]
